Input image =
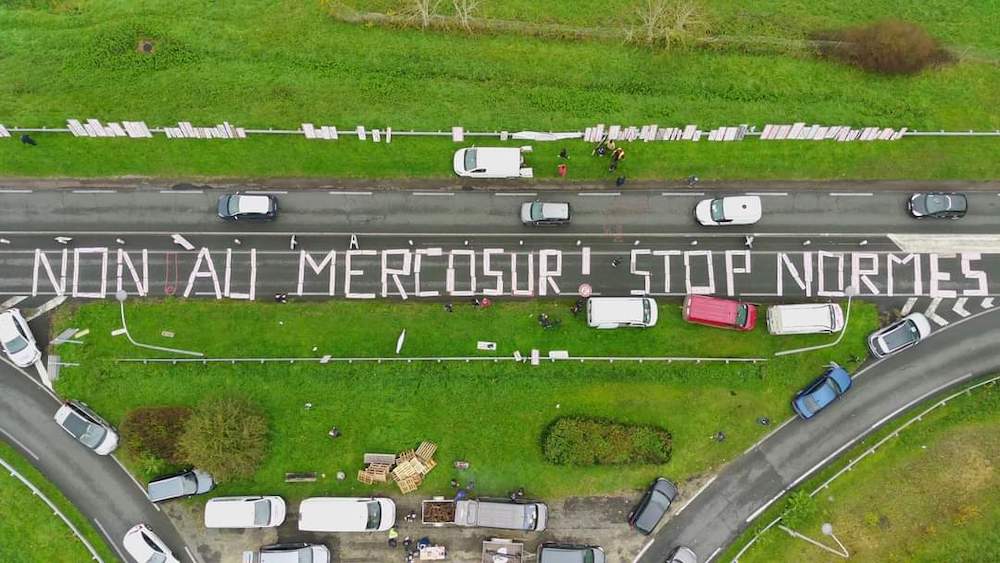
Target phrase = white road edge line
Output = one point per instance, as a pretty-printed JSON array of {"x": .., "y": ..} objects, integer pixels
[
  {"x": 32, "y": 379},
  {"x": 682, "y": 193},
  {"x": 140, "y": 487},
  {"x": 20, "y": 444},
  {"x": 643, "y": 550},
  {"x": 525, "y": 194},
  {"x": 266, "y": 192},
  {"x": 766, "y": 436},
  {"x": 182, "y": 192},
  {"x": 29, "y": 191},
  {"x": 348, "y": 193},
  {"x": 189, "y": 554},
  {"x": 768, "y": 193},
  {"x": 600, "y": 194},
  {"x": 111, "y": 541},
  {"x": 757, "y": 512},
  {"x": 433, "y": 193},
  {"x": 703, "y": 487},
  {"x": 94, "y": 191},
  {"x": 851, "y": 194},
  {"x": 714, "y": 553}
]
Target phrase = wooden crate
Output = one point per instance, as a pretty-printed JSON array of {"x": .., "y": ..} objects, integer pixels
[
  {"x": 409, "y": 484},
  {"x": 365, "y": 477},
  {"x": 379, "y": 472},
  {"x": 426, "y": 450}
]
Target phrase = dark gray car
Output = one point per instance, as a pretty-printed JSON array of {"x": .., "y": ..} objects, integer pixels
[
  {"x": 654, "y": 504},
  {"x": 183, "y": 484},
  {"x": 555, "y": 553},
  {"x": 938, "y": 205}
]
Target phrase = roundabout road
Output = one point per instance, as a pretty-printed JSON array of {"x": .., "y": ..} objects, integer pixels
[{"x": 796, "y": 450}]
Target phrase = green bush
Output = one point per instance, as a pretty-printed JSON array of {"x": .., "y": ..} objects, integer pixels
[
  {"x": 227, "y": 437},
  {"x": 594, "y": 441},
  {"x": 151, "y": 434}
]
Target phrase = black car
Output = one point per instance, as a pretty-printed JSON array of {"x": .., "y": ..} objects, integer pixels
[
  {"x": 938, "y": 205},
  {"x": 248, "y": 207},
  {"x": 654, "y": 504}
]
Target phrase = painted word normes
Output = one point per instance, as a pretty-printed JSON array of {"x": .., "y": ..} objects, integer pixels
[{"x": 434, "y": 272}]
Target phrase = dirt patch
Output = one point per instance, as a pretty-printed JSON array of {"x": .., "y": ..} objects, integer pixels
[{"x": 146, "y": 46}]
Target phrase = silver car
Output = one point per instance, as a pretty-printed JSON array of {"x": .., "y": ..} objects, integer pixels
[
  {"x": 555, "y": 553},
  {"x": 183, "y": 484},
  {"x": 87, "y": 427},
  {"x": 294, "y": 553}
]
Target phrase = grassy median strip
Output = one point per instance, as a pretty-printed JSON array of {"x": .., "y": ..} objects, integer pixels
[
  {"x": 490, "y": 414},
  {"x": 29, "y": 531},
  {"x": 262, "y": 63},
  {"x": 932, "y": 494}
]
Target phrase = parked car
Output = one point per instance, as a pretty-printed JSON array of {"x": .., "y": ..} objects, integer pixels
[
  {"x": 616, "y": 312},
  {"x": 900, "y": 335},
  {"x": 16, "y": 338},
  {"x": 807, "y": 318},
  {"x": 184, "y": 484},
  {"x": 654, "y": 504},
  {"x": 824, "y": 390},
  {"x": 491, "y": 162},
  {"x": 146, "y": 547},
  {"x": 682, "y": 554},
  {"x": 732, "y": 210},
  {"x": 294, "y": 553},
  {"x": 539, "y": 214},
  {"x": 719, "y": 312},
  {"x": 245, "y": 512},
  {"x": 526, "y": 516},
  {"x": 939, "y": 205},
  {"x": 346, "y": 514},
  {"x": 248, "y": 207},
  {"x": 83, "y": 424},
  {"x": 555, "y": 553}
]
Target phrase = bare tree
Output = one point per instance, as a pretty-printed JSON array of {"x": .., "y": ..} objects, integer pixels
[
  {"x": 666, "y": 22},
  {"x": 464, "y": 12},
  {"x": 422, "y": 10}
]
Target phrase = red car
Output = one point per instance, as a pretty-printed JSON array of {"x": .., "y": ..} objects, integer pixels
[{"x": 720, "y": 313}]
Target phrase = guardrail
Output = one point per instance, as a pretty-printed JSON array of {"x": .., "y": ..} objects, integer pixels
[
  {"x": 868, "y": 452},
  {"x": 55, "y": 510}
]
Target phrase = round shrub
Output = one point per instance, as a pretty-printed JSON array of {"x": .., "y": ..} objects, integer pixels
[{"x": 227, "y": 437}]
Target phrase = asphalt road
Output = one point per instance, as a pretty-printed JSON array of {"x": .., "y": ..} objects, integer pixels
[
  {"x": 881, "y": 391},
  {"x": 97, "y": 485}
]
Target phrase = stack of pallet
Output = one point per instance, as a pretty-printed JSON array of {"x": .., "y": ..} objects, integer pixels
[{"x": 407, "y": 469}]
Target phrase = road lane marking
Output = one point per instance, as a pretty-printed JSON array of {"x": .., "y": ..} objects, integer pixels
[
  {"x": 769, "y": 434},
  {"x": 189, "y": 554},
  {"x": 447, "y": 194},
  {"x": 46, "y": 307},
  {"x": 111, "y": 540},
  {"x": 931, "y": 312},
  {"x": 959, "y": 307},
  {"x": 15, "y": 191},
  {"x": 682, "y": 193},
  {"x": 182, "y": 192},
  {"x": 643, "y": 550},
  {"x": 690, "y": 500},
  {"x": 266, "y": 192},
  {"x": 134, "y": 480},
  {"x": 12, "y": 301},
  {"x": 94, "y": 191},
  {"x": 757, "y": 512},
  {"x": 600, "y": 194},
  {"x": 20, "y": 444},
  {"x": 987, "y": 303},
  {"x": 525, "y": 194},
  {"x": 908, "y": 306},
  {"x": 851, "y": 194},
  {"x": 768, "y": 193},
  {"x": 348, "y": 193},
  {"x": 714, "y": 553}
]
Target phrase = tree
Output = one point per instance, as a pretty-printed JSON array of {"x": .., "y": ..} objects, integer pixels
[
  {"x": 226, "y": 436},
  {"x": 465, "y": 12},
  {"x": 154, "y": 431},
  {"x": 422, "y": 10},
  {"x": 666, "y": 23}
]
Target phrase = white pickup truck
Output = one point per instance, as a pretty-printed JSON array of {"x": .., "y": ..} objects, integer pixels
[{"x": 522, "y": 516}]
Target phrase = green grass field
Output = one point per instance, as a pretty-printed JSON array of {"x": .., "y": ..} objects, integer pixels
[
  {"x": 933, "y": 494},
  {"x": 279, "y": 63},
  {"x": 29, "y": 532},
  {"x": 491, "y": 414}
]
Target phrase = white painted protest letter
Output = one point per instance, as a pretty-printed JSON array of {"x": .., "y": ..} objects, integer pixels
[
  {"x": 403, "y": 270},
  {"x": 821, "y": 290},
  {"x": 450, "y": 279},
  {"x": 42, "y": 260},
  {"x": 918, "y": 282},
  {"x": 937, "y": 276},
  {"x": 489, "y": 272},
  {"x": 635, "y": 271},
  {"x": 141, "y": 284},
  {"x": 585, "y": 261},
  {"x": 731, "y": 269},
  {"x": 103, "y": 253},
  {"x": 329, "y": 260},
  {"x": 546, "y": 274},
  {"x": 417, "y": 264},
  {"x": 203, "y": 256},
  {"x": 351, "y": 273},
  {"x": 227, "y": 285},
  {"x": 970, "y": 274},
  {"x": 699, "y": 289},
  {"x": 531, "y": 276},
  {"x": 666, "y": 254},
  {"x": 785, "y": 264},
  {"x": 859, "y": 273}
]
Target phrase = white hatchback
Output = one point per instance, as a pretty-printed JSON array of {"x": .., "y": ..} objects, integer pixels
[
  {"x": 146, "y": 547},
  {"x": 16, "y": 338},
  {"x": 733, "y": 210}
]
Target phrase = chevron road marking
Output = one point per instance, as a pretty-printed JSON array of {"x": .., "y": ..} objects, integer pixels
[
  {"x": 908, "y": 306},
  {"x": 960, "y": 307},
  {"x": 13, "y": 301},
  {"x": 46, "y": 307},
  {"x": 987, "y": 303},
  {"x": 931, "y": 312}
]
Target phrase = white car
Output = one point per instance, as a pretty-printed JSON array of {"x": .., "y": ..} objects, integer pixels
[
  {"x": 16, "y": 338},
  {"x": 87, "y": 427},
  {"x": 346, "y": 514},
  {"x": 294, "y": 553},
  {"x": 900, "y": 335},
  {"x": 244, "y": 512},
  {"x": 492, "y": 162},
  {"x": 146, "y": 547},
  {"x": 733, "y": 210},
  {"x": 540, "y": 214}
]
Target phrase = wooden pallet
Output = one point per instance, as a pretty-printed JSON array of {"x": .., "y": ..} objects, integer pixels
[
  {"x": 428, "y": 465},
  {"x": 405, "y": 456},
  {"x": 365, "y": 477},
  {"x": 409, "y": 484},
  {"x": 379, "y": 471},
  {"x": 404, "y": 471},
  {"x": 380, "y": 458},
  {"x": 426, "y": 450}
]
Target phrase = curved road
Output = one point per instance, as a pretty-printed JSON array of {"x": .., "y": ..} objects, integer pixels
[
  {"x": 795, "y": 451},
  {"x": 97, "y": 485}
]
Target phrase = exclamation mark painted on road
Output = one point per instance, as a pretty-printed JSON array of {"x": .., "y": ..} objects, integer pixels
[{"x": 585, "y": 266}]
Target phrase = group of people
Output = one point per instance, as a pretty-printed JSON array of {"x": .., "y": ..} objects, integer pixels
[{"x": 617, "y": 153}]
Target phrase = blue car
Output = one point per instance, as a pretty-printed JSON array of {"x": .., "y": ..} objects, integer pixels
[{"x": 821, "y": 392}]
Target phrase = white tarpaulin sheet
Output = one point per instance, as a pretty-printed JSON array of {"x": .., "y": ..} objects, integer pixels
[{"x": 540, "y": 136}]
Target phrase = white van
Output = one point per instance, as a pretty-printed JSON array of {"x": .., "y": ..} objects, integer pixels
[
  {"x": 614, "y": 312},
  {"x": 809, "y": 318},
  {"x": 244, "y": 512},
  {"x": 346, "y": 514}
]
